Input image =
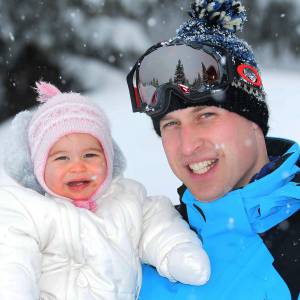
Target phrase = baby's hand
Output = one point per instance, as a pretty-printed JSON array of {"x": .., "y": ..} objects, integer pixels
[{"x": 188, "y": 264}]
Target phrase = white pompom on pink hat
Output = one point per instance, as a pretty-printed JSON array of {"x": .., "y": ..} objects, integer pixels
[{"x": 60, "y": 114}]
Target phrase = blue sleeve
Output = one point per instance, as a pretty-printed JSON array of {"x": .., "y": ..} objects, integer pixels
[
  {"x": 246, "y": 287},
  {"x": 155, "y": 287}
]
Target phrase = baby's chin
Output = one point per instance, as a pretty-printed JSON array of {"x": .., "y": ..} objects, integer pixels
[
  {"x": 81, "y": 197},
  {"x": 81, "y": 192},
  {"x": 78, "y": 197}
]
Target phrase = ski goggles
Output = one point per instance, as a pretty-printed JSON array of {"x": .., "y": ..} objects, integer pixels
[{"x": 195, "y": 72}]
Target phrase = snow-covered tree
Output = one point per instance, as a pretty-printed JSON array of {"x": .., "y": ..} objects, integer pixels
[
  {"x": 36, "y": 36},
  {"x": 179, "y": 76}
]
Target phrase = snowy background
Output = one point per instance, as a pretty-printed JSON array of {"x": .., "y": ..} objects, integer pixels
[{"x": 89, "y": 46}]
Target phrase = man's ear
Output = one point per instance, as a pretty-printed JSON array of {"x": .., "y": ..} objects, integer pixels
[
  {"x": 257, "y": 130},
  {"x": 254, "y": 126}
]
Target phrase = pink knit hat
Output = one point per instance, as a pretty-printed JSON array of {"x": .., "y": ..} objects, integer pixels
[{"x": 62, "y": 114}]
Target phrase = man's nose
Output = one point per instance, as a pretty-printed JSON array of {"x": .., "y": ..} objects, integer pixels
[{"x": 191, "y": 139}]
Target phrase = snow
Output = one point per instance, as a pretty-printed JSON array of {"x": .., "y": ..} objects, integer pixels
[
  {"x": 146, "y": 161},
  {"x": 283, "y": 88},
  {"x": 120, "y": 34}
]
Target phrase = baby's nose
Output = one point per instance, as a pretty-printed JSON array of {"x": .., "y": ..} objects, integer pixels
[{"x": 78, "y": 166}]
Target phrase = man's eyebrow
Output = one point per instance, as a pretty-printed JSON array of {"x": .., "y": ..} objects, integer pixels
[
  {"x": 195, "y": 109},
  {"x": 166, "y": 117},
  {"x": 199, "y": 108}
]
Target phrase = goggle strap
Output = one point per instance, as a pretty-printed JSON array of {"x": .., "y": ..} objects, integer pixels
[
  {"x": 138, "y": 102},
  {"x": 134, "y": 96}
]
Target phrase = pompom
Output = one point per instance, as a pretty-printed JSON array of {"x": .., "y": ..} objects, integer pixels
[
  {"x": 46, "y": 91},
  {"x": 227, "y": 14}
]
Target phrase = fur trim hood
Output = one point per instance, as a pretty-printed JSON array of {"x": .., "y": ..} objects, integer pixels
[{"x": 17, "y": 162}]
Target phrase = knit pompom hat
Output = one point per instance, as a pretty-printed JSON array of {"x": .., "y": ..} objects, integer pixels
[
  {"x": 216, "y": 22},
  {"x": 60, "y": 114}
]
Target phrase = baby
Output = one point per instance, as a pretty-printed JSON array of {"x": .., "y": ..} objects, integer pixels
[{"x": 85, "y": 235}]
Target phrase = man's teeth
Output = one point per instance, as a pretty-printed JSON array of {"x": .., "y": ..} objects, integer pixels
[{"x": 202, "y": 167}]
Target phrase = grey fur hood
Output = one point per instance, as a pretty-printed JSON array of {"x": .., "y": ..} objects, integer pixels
[{"x": 16, "y": 154}]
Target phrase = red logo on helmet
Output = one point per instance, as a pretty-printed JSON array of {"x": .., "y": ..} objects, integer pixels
[
  {"x": 249, "y": 74},
  {"x": 184, "y": 88}
]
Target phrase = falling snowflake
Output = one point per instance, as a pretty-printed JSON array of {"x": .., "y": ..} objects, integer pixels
[
  {"x": 248, "y": 142},
  {"x": 231, "y": 223},
  {"x": 151, "y": 22},
  {"x": 284, "y": 225}
]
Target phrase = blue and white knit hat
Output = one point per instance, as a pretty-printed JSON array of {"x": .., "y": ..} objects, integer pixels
[{"x": 216, "y": 22}]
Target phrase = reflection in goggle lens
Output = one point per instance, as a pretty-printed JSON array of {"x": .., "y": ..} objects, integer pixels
[{"x": 180, "y": 65}]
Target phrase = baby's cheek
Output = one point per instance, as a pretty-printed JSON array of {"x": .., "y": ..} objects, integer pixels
[{"x": 102, "y": 166}]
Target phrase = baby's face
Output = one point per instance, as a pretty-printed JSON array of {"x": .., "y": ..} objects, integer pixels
[{"x": 76, "y": 166}]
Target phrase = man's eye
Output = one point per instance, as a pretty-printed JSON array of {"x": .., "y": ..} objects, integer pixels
[
  {"x": 63, "y": 157},
  {"x": 206, "y": 115},
  {"x": 169, "y": 124}
]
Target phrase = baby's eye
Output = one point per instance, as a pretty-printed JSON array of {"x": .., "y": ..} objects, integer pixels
[
  {"x": 90, "y": 155},
  {"x": 62, "y": 157}
]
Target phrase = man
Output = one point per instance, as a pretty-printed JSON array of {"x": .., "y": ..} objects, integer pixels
[{"x": 241, "y": 190}]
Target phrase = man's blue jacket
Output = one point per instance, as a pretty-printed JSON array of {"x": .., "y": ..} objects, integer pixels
[{"x": 252, "y": 236}]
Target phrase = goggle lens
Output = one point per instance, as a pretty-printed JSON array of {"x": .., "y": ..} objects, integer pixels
[{"x": 180, "y": 65}]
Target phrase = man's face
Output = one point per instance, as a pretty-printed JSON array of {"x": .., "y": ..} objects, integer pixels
[{"x": 212, "y": 150}]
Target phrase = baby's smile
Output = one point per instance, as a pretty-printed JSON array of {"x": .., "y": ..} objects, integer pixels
[{"x": 78, "y": 184}]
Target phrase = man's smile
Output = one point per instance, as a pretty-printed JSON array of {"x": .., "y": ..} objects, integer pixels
[{"x": 202, "y": 166}]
